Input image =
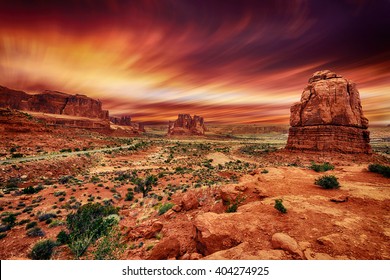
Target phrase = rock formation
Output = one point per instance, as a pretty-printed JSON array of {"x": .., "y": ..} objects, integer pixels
[
  {"x": 329, "y": 117},
  {"x": 53, "y": 102},
  {"x": 123, "y": 120},
  {"x": 186, "y": 125},
  {"x": 126, "y": 121}
]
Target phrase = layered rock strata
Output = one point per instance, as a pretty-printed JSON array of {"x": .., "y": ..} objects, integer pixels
[
  {"x": 186, "y": 125},
  {"x": 329, "y": 117},
  {"x": 53, "y": 102}
]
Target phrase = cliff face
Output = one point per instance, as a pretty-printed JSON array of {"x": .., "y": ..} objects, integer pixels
[
  {"x": 186, "y": 125},
  {"x": 53, "y": 102},
  {"x": 329, "y": 117}
]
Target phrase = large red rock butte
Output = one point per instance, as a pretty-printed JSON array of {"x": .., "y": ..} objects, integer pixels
[
  {"x": 186, "y": 125},
  {"x": 329, "y": 117},
  {"x": 53, "y": 102}
]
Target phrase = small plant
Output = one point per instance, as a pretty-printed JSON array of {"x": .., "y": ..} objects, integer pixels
[
  {"x": 35, "y": 232},
  {"x": 164, "y": 208},
  {"x": 31, "y": 225},
  {"x": 232, "y": 207},
  {"x": 321, "y": 167},
  {"x": 109, "y": 247},
  {"x": 62, "y": 237},
  {"x": 264, "y": 171},
  {"x": 380, "y": 169},
  {"x": 43, "y": 250},
  {"x": 328, "y": 182},
  {"x": 9, "y": 220},
  {"x": 279, "y": 206}
]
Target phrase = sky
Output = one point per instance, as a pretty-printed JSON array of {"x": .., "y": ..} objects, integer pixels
[{"x": 228, "y": 61}]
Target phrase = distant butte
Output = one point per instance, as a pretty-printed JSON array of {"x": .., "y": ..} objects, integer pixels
[
  {"x": 329, "y": 117},
  {"x": 186, "y": 125}
]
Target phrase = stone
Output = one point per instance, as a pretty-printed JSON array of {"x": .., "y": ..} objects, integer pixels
[
  {"x": 284, "y": 241},
  {"x": 246, "y": 251},
  {"x": 329, "y": 117},
  {"x": 167, "y": 248},
  {"x": 189, "y": 201},
  {"x": 186, "y": 125}
]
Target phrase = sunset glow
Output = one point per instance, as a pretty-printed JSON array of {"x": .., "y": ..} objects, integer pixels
[{"x": 229, "y": 61}]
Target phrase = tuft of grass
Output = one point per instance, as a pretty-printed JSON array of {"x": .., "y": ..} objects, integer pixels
[
  {"x": 279, "y": 206},
  {"x": 43, "y": 250},
  {"x": 164, "y": 208},
  {"x": 321, "y": 167},
  {"x": 328, "y": 182},
  {"x": 380, "y": 169}
]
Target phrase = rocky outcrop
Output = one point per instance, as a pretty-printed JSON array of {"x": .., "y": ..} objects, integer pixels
[
  {"x": 186, "y": 125},
  {"x": 329, "y": 117},
  {"x": 122, "y": 120},
  {"x": 126, "y": 121},
  {"x": 53, "y": 102}
]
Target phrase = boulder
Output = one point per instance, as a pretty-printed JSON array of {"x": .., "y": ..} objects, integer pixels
[
  {"x": 284, "y": 241},
  {"x": 329, "y": 117},
  {"x": 167, "y": 248},
  {"x": 189, "y": 201}
]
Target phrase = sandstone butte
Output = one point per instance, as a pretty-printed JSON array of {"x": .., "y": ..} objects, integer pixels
[
  {"x": 64, "y": 109},
  {"x": 186, "y": 125},
  {"x": 329, "y": 117}
]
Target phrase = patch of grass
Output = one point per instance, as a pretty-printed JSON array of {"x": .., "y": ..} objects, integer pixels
[
  {"x": 321, "y": 167},
  {"x": 43, "y": 250},
  {"x": 328, "y": 182},
  {"x": 32, "y": 190},
  {"x": 164, "y": 208},
  {"x": 110, "y": 247},
  {"x": 279, "y": 206},
  {"x": 233, "y": 206},
  {"x": 31, "y": 225},
  {"x": 380, "y": 169}
]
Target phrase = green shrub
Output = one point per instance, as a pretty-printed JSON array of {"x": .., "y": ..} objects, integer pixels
[
  {"x": 381, "y": 169},
  {"x": 2, "y": 235},
  {"x": 90, "y": 222},
  {"x": 9, "y": 220},
  {"x": 279, "y": 206},
  {"x": 232, "y": 207},
  {"x": 321, "y": 167},
  {"x": 43, "y": 250},
  {"x": 109, "y": 247},
  {"x": 129, "y": 196},
  {"x": 31, "y": 225},
  {"x": 164, "y": 208},
  {"x": 35, "y": 232},
  {"x": 328, "y": 182},
  {"x": 62, "y": 237}
]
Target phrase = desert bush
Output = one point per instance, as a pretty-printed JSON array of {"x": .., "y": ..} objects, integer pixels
[
  {"x": 380, "y": 169},
  {"x": 328, "y": 182},
  {"x": 32, "y": 190},
  {"x": 31, "y": 225},
  {"x": 279, "y": 206},
  {"x": 164, "y": 208},
  {"x": 43, "y": 250},
  {"x": 109, "y": 247},
  {"x": 2, "y": 235},
  {"x": 35, "y": 232},
  {"x": 9, "y": 220},
  {"x": 145, "y": 185},
  {"x": 46, "y": 216},
  {"x": 233, "y": 206},
  {"x": 87, "y": 224},
  {"x": 62, "y": 237},
  {"x": 4, "y": 228},
  {"x": 321, "y": 167},
  {"x": 264, "y": 171}
]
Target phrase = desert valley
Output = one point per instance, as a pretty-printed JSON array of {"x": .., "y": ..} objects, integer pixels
[{"x": 78, "y": 183}]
